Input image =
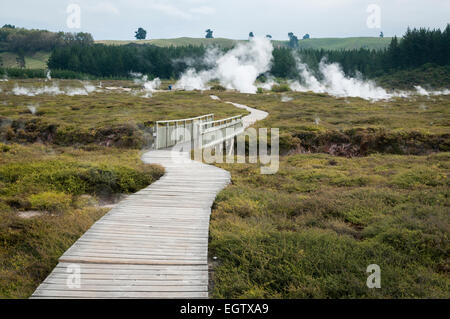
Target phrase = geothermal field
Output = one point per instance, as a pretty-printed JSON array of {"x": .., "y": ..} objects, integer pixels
[{"x": 254, "y": 168}]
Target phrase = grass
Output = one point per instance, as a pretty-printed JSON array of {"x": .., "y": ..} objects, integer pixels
[
  {"x": 402, "y": 126},
  {"x": 371, "y": 43},
  {"x": 311, "y": 230},
  {"x": 64, "y": 183},
  {"x": 177, "y": 42},
  {"x": 314, "y": 43},
  {"x": 37, "y": 60},
  {"x": 107, "y": 117}
]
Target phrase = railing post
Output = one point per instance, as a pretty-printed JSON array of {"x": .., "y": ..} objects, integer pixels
[
  {"x": 167, "y": 135},
  {"x": 157, "y": 136}
]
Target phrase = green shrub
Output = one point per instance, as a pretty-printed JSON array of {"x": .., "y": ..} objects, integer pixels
[
  {"x": 281, "y": 88},
  {"x": 417, "y": 178},
  {"x": 4, "y": 148},
  {"x": 51, "y": 201},
  {"x": 218, "y": 87}
]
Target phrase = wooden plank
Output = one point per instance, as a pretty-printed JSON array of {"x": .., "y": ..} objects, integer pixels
[
  {"x": 127, "y": 286},
  {"x": 130, "y": 282},
  {"x": 117, "y": 294},
  {"x": 132, "y": 267},
  {"x": 134, "y": 261}
]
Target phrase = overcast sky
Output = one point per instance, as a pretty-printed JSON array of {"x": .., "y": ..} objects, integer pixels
[{"x": 118, "y": 19}]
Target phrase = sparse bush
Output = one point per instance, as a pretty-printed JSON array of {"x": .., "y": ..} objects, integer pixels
[
  {"x": 51, "y": 201},
  {"x": 281, "y": 88},
  {"x": 218, "y": 87}
]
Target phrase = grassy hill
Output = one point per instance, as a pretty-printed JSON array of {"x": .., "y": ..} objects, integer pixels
[
  {"x": 227, "y": 43},
  {"x": 36, "y": 60},
  {"x": 319, "y": 43},
  {"x": 345, "y": 43}
]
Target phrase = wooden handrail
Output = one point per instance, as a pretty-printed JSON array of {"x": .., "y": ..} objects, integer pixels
[
  {"x": 196, "y": 127},
  {"x": 211, "y": 123},
  {"x": 185, "y": 120}
]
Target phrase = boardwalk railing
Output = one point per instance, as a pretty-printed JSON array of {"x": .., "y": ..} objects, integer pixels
[
  {"x": 215, "y": 132},
  {"x": 172, "y": 132},
  {"x": 202, "y": 129}
]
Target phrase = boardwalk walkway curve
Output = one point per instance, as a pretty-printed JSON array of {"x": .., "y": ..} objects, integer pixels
[{"x": 154, "y": 244}]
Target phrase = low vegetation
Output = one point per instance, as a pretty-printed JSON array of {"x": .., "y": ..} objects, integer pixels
[
  {"x": 311, "y": 229},
  {"x": 107, "y": 117},
  {"x": 318, "y": 44},
  {"x": 63, "y": 185},
  {"x": 311, "y": 122}
]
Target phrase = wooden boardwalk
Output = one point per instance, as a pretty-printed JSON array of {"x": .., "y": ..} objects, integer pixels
[{"x": 154, "y": 244}]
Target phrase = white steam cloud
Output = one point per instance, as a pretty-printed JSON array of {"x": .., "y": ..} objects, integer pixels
[
  {"x": 421, "y": 91},
  {"x": 32, "y": 108},
  {"x": 54, "y": 90},
  {"x": 148, "y": 86},
  {"x": 334, "y": 82},
  {"x": 51, "y": 90},
  {"x": 151, "y": 86},
  {"x": 285, "y": 98},
  {"x": 235, "y": 70},
  {"x": 268, "y": 84}
]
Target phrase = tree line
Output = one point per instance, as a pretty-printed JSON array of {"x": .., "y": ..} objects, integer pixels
[
  {"x": 20, "y": 40},
  {"x": 119, "y": 61},
  {"x": 416, "y": 48}
]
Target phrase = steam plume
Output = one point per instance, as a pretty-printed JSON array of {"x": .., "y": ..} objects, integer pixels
[{"x": 237, "y": 69}]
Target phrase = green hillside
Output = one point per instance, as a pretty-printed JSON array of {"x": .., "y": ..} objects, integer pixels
[
  {"x": 319, "y": 43},
  {"x": 345, "y": 43},
  {"x": 226, "y": 43},
  {"x": 36, "y": 60}
]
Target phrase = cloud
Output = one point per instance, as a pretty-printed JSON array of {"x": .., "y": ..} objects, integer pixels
[
  {"x": 184, "y": 9},
  {"x": 103, "y": 7},
  {"x": 203, "y": 10},
  {"x": 170, "y": 10}
]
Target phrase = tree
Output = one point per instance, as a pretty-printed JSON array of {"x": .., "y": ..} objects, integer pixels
[
  {"x": 140, "y": 34},
  {"x": 306, "y": 36},
  {"x": 20, "y": 59},
  {"x": 251, "y": 35},
  {"x": 393, "y": 54},
  {"x": 381, "y": 34},
  {"x": 209, "y": 34},
  {"x": 268, "y": 36},
  {"x": 9, "y": 26},
  {"x": 293, "y": 40}
]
